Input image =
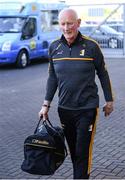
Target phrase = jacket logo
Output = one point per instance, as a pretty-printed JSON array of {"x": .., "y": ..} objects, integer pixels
[{"x": 82, "y": 52}]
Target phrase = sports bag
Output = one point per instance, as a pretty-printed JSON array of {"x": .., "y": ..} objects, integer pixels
[{"x": 45, "y": 150}]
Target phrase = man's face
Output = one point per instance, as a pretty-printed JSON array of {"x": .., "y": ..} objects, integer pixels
[{"x": 69, "y": 26}]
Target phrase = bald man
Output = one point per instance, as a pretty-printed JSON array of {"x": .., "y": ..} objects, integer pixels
[{"x": 74, "y": 61}]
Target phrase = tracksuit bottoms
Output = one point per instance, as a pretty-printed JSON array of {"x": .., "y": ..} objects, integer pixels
[{"x": 79, "y": 129}]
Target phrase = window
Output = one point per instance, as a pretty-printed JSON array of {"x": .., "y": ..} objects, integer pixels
[
  {"x": 29, "y": 28},
  {"x": 49, "y": 20}
]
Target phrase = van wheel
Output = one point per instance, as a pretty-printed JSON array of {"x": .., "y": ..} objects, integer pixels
[{"x": 22, "y": 59}]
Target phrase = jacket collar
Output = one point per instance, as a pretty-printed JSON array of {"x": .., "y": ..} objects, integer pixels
[{"x": 77, "y": 40}]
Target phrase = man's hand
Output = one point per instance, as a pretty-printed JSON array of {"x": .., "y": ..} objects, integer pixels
[
  {"x": 108, "y": 108},
  {"x": 44, "y": 112}
]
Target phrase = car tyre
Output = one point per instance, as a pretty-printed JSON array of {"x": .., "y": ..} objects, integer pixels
[
  {"x": 113, "y": 43},
  {"x": 22, "y": 59}
]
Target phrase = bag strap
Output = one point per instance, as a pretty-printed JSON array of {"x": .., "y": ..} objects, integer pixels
[
  {"x": 47, "y": 120},
  {"x": 45, "y": 123},
  {"x": 37, "y": 125}
]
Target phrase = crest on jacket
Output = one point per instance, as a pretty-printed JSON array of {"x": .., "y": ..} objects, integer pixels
[{"x": 82, "y": 52}]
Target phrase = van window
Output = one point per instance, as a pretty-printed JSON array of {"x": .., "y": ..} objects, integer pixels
[
  {"x": 49, "y": 20},
  {"x": 11, "y": 24},
  {"x": 29, "y": 28}
]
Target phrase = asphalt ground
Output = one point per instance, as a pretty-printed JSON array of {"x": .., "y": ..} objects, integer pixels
[{"x": 21, "y": 95}]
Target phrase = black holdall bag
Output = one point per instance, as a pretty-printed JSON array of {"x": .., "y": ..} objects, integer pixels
[{"x": 45, "y": 150}]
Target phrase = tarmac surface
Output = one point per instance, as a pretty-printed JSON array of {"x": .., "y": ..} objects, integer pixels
[{"x": 21, "y": 96}]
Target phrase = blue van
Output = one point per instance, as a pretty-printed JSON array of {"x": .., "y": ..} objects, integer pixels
[{"x": 26, "y": 31}]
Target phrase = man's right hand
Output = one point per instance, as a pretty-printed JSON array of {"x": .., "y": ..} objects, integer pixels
[{"x": 43, "y": 113}]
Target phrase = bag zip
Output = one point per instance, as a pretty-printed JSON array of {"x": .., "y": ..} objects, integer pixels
[{"x": 28, "y": 144}]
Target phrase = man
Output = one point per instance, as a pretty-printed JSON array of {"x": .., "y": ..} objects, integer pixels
[{"x": 74, "y": 61}]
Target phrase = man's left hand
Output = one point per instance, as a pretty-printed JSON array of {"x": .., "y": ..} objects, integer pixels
[{"x": 108, "y": 108}]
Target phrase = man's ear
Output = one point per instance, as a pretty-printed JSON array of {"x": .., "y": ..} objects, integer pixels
[{"x": 79, "y": 22}]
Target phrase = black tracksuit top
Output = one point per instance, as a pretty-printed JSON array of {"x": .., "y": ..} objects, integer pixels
[{"x": 72, "y": 70}]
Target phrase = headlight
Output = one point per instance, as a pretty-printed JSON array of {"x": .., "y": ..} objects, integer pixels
[{"x": 6, "y": 46}]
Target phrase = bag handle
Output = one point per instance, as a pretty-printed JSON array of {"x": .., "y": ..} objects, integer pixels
[
  {"x": 37, "y": 125},
  {"x": 47, "y": 120},
  {"x": 45, "y": 123}
]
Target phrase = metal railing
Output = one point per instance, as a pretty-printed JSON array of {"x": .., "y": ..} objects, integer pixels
[{"x": 103, "y": 26}]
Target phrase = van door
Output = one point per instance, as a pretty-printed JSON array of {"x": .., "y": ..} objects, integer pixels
[{"x": 31, "y": 38}]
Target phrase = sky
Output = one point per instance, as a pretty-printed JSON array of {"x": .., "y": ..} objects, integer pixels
[
  {"x": 78, "y": 2},
  {"x": 94, "y": 2}
]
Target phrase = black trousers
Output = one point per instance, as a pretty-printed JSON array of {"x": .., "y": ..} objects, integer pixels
[{"x": 79, "y": 128}]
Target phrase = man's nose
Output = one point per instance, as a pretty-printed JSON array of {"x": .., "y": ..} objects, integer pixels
[{"x": 66, "y": 27}]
